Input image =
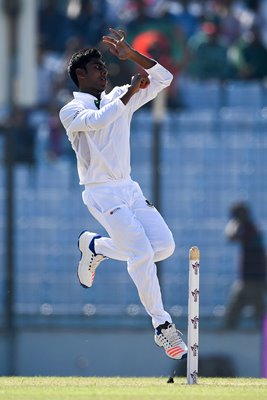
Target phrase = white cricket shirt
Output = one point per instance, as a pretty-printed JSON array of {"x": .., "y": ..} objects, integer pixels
[{"x": 101, "y": 137}]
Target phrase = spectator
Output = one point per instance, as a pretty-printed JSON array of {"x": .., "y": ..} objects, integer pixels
[
  {"x": 249, "y": 56},
  {"x": 209, "y": 58},
  {"x": 250, "y": 288}
]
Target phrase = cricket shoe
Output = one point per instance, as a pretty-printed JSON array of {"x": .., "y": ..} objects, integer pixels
[
  {"x": 89, "y": 259},
  {"x": 168, "y": 337}
]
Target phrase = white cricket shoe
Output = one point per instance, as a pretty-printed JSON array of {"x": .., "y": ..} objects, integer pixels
[
  {"x": 169, "y": 338},
  {"x": 89, "y": 260}
]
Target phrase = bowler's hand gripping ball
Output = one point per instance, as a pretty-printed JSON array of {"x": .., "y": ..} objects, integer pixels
[{"x": 144, "y": 82}]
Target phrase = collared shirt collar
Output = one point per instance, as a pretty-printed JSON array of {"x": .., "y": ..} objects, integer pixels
[{"x": 87, "y": 98}]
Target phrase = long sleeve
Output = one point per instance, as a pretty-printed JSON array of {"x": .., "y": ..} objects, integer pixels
[
  {"x": 160, "y": 78},
  {"x": 79, "y": 119}
]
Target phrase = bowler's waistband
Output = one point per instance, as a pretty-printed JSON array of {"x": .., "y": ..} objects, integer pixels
[{"x": 117, "y": 182}]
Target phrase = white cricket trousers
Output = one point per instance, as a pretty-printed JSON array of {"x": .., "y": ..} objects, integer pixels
[{"x": 137, "y": 234}]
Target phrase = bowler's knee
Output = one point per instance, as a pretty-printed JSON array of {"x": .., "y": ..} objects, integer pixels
[
  {"x": 165, "y": 250},
  {"x": 169, "y": 246}
]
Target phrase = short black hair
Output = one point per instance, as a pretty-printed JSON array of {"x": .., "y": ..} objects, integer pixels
[{"x": 79, "y": 60}]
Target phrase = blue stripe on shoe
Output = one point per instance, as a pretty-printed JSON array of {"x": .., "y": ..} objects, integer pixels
[{"x": 92, "y": 244}]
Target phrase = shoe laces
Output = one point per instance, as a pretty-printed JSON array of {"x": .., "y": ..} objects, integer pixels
[
  {"x": 172, "y": 335},
  {"x": 94, "y": 262}
]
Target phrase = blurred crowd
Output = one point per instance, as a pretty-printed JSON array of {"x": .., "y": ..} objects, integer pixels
[
  {"x": 212, "y": 39},
  {"x": 194, "y": 39}
]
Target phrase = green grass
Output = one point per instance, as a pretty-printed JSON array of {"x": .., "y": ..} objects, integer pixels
[{"x": 72, "y": 388}]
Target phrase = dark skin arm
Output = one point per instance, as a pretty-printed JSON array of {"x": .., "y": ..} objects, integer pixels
[{"x": 121, "y": 49}]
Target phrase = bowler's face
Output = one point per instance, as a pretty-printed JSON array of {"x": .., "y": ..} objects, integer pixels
[{"x": 94, "y": 78}]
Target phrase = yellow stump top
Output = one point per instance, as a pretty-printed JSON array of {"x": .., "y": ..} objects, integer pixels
[{"x": 194, "y": 253}]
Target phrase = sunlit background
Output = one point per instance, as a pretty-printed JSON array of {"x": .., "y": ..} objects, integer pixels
[{"x": 196, "y": 152}]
